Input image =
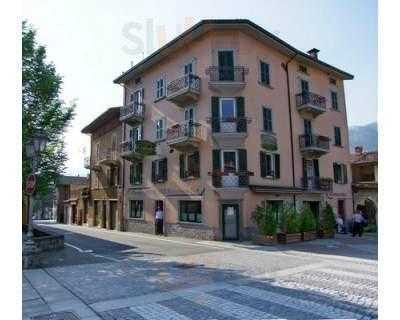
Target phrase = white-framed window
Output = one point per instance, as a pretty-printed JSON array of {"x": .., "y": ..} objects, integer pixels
[
  {"x": 339, "y": 173},
  {"x": 269, "y": 165},
  {"x": 188, "y": 68},
  {"x": 160, "y": 129},
  {"x": 189, "y": 164},
  {"x": 160, "y": 86}
]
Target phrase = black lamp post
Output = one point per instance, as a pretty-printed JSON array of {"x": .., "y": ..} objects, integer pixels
[{"x": 34, "y": 147}]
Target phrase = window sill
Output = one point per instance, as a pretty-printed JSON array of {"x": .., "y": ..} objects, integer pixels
[
  {"x": 136, "y": 219},
  {"x": 159, "y": 181},
  {"x": 270, "y": 178},
  {"x": 136, "y": 186},
  {"x": 196, "y": 224},
  {"x": 159, "y": 99},
  {"x": 266, "y": 85},
  {"x": 190, "y": 178}
]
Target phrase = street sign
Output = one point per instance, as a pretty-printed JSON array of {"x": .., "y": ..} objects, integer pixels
[{"x": 30, "y": 184}]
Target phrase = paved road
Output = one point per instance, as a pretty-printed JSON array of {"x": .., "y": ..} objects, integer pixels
[{"x": 111, "y": 275}]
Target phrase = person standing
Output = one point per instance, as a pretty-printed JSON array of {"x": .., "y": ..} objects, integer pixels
[
  {"x": 339, "y": 222},
  {"x": 159, "y": 221},
  {"x": 358, "y": 222}
]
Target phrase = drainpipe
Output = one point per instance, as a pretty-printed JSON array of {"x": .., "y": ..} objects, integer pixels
[
  {"x": 123, "y": 227},
  {"x": 285, "y": 67}
]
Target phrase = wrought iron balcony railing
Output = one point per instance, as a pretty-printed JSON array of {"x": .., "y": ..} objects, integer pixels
[
  {"x": 317, "y": 183},
  {"x": 310, "y": 141},
  {"x": 228, "y": 74},
  {"x": 309, "y": 98},
  {"x": 190, "y": 82},
  {"x": 222, "y": 179},
  {"x": 229, "y": 125},
  {"x": 182, "y": 130},
  {"x": 132, "y": 110},
  {"x": 141, "y": 148},
  {"x": 108, "y": 155}
]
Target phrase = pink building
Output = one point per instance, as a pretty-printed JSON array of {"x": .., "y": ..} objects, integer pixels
[{"x": 224, "y": 117}]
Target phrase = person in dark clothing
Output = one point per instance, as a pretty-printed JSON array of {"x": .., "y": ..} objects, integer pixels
[
  {"x": 159, "y": 221},
  {"x": 358, "y": 223}
]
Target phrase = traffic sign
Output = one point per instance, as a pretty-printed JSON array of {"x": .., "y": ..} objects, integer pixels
[{"x": 31, "y": 184}]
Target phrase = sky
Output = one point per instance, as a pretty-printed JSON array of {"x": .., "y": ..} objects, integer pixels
[{"x": 91, "y": 42}]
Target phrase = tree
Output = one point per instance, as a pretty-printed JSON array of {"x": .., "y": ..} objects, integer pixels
[
  {"x": 307, "y": 219},
  {"x": 265, "y": 217},
  {"x": 328, "y": 220},
  {"x": 42, "y": 109}
]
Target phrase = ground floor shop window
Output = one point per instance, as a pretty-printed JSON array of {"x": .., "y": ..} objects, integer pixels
[
  {"x": 190, "y": 211},
  {"x": 136, "y": 209}
]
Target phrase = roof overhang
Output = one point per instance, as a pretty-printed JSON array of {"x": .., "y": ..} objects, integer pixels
[
  {"x": 244, "y": 25},
  {"x": 106, "y": 116}
]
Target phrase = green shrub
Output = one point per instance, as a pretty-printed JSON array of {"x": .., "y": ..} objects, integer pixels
[
  {"x": 328, "y": 220},
  {"x": 265, "y": 218},
  {"x": 373, "y": 228},
  {"x": 307, "y": 219},
  {"x": 289, "y": 220}
]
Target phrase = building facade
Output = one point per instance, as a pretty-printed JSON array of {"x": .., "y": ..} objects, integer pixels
[
  {"x": 364, "y": 167},
  {"x": 106, "y": 167},
  {"x": 223, "y": 118}
]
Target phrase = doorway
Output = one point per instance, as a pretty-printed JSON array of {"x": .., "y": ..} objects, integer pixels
[
  {"x": 113, "y": 214},
  {"x": 104, "y": 215},
  {"x": 74, "y": 218},
  {"x": 159, "y": 204},
  {"x": 230, "y": 221}
]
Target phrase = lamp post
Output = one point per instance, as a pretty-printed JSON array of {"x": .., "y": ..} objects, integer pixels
[{"x": 34, "y": 147}]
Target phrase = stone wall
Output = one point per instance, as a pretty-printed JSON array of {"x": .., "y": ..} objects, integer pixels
[
  {"x": 139, "y": 226},
  {"x": 190, "y": 230},
  {"x": 50, "y": 242}
]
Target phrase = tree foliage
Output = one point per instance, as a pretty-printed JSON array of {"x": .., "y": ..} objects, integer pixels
[
  {"x": 42, "y": 109},
  {"x": 307, "y": 219},
  {"x": 289, "y": 220},
  {"x": 265, "y": 217},
  {"x": 328, "y": 220}
]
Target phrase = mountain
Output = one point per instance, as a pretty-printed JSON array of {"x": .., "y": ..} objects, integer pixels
[{"x": 366, "y": 136}]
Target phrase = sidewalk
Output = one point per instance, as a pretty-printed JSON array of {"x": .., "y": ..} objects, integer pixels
[{"x": 42, "y": 294}]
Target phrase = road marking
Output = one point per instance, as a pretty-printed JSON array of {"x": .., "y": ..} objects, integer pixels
[
  {"x": 77, "y": 248},
  {"x": 109, "y": 258}
]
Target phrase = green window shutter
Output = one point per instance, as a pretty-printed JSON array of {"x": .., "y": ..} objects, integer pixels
[
  {"x": 215, "y": 124},
  {"x": 316, "y": 167},
  {"x": 277, "y": 166},
  {"x": 344, "y": 173},
  {"x": 153, "y": 171},
  {"x": 196, "y": 156},
  {"x": 243, "y": 177},
  {"x": 267, "y": 119},
  {"x": 240, "y": 113},
  {"x": 335, "y": 173},
  {"x": 263, "y": 164},
  {"x": 182, "y": 166},
  {"x": 164, "y": 168},
  {"x": 216, "y": 161},
  {"x": 131, "y": 174}
]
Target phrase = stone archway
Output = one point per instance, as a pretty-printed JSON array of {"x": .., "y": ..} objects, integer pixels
[{"x": 371, "y": 210}]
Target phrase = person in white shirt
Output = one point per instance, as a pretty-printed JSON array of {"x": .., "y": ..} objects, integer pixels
[
  {"x": 358, "y": 221},
  {"x": 339, "y": 222},
  {"x": 159, "y": 221}
]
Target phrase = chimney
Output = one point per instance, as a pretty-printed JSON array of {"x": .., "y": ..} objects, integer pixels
[
  {"x": 313, "y": 53},
  {"x": 358, "y": 149}
]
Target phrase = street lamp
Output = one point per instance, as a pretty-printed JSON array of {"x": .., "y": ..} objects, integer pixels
[{"x": 34, "y": 147}]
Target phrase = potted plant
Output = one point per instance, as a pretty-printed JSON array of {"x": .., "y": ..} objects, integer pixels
[
  {"x": 289, "y": 225},
  {"x": 266, "y": 221},
  {"x": 308, "y": 224},
  {"x": 327, "y": 223}
]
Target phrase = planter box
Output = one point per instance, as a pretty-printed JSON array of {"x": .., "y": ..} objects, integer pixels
[
  {"x": 324, "y": 234},
  {"x": 285, "y": 238},
  {"x": 308, "y": 235},
  {"x": 264, "y": 240}
]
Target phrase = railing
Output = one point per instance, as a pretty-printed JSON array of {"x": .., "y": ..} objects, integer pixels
[
  {"x": 229, "y": 125},
  {"x": 317, "y": 183},
  {"x": 230, "y": 179},
  {"x": 310, "y": 98},
  {"x": 231, "y": 74},
  {"x": 187, "y": 129},
  {"x": 132, "y": 109},
  {"x": 142, "y": 147},
  {"x": 108, "y": 154},
  {"x": 314, "y": 141},
  {"x": 129, "y": 146},
  {"x": 189, "y": 81}
]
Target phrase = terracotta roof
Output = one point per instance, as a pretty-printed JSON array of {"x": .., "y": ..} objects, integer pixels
[
  {"x": 102, "y": 119},
  {"x": 365, "y": 157},
  {"x": 241, "y": 24}
]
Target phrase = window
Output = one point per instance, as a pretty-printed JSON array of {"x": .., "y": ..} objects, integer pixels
[
  {"x": 135, "y": 173},
  {"x": 229, "y": 161},
  {"x": 339, "y": 173},
  {"x": 160, "y": 129},
  {"x": 160, "y": 88},
  {"x": 189, "y": 114},
  {"x": 303, "y": 69},
  {"x": 135, "y": 134},
  {"x": 269, "y": 165},
  {"x": 334, "y": 100},
  {"x": 188, "y": 68},
  {"x": 159, "y": 170},
  {"x": 136, "y": 209},
  {"x": 305, "y": 88},
  {"x": 338, "y": 137},
  {"x": 267, "y": 119},
  {"x": 264, "y": 73},
  {"x": 190, "y": 211},
  {"x": 113, "y": 176},
  {"x": 189, "y": 165}
]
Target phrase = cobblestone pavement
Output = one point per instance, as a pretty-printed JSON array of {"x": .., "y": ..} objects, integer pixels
[{"x": 211, "y": 280}]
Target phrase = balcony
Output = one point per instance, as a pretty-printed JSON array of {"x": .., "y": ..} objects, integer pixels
[
  {"x": 108, "y": 157},
  {"x": 310, "y": 105},
  {"x": 184, "y": 137},
  {"x": 269, "y": 141},
  {"x": 137, "y": 150},
  {"x": 227, "y": 80},
  {"x": 313, "y": 146},
  {"x": 89, "y": 166},
  {"x": 184, "y": 91},
  {"x": 132, "y": 113},
  {"x": 231, "y": 185},
  {"x": 229, "y": 132},
  {"x": 317, "y": 184}
]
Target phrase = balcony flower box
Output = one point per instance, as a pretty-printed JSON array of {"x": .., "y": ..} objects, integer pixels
[
  {"x": 265, "y": 240},
  {"x": 286, "y": 238},
  {"x": 308, "y": 235}
]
